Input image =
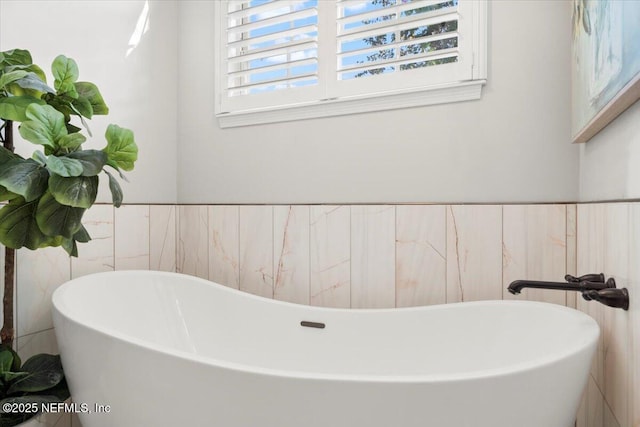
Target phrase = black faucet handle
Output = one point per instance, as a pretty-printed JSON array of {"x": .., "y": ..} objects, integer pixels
[
  {"x": 593, "y": 277},
  {"x": 613, "y": 297}
]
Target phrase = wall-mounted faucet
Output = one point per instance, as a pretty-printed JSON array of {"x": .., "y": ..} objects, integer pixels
[{"x": 592, "y": 286}]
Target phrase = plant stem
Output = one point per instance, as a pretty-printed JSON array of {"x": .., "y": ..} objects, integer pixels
[
  {"x": 7, "y": 332},
  {"x": 7, "y": 141}
]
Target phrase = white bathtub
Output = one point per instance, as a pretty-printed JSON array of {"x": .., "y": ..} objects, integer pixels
[{"x": 163, "y": 349}]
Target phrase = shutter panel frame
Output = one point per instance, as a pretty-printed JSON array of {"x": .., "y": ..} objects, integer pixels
[{"x": 333, "y": 97}]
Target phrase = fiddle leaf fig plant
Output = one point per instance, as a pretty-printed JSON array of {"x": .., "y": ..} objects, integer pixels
[
  {"x": 45, "y": 195},
  {"x": 48, "y": 193}
]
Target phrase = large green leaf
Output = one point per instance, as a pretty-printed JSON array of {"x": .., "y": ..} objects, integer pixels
[
  {"x": 64, "y": 166},
  {"x": 6, "y": 155},
  {"x": 24, "y": 177},
  {"x": 78, "y": 192},
  {"x": 82, "y": 235},
  {"x": 8, "y": 365},
  {"x": 90, "y": 92},
  {"x": 55, "y": 219},
  {"x": 31, "y": 68},
  {"x": 34, "y": 82},
  {"x": 92, "y": 161},
  {"x": 70, "y": 246},
  {"x": 17, "y": 362},
  {"x": 15, "y": 57},
  {"x": 81, "y": 115},
  {"x": 73, "y": 129},
  {"x": 45, "y": 125},
  {"x": 83, "y": 107},
  {"x": 7, "y": 377},
  {"x": 6, "y": 194},
  {"x": 18, "y": 226},
  {"x": 39, "y": 157},
  {"x": 121, "y": 148},
  {"x": 44, "y": 372},
  {"x": 65, "y": 72},
  {"x": 62, "y": 103},
  {"x": 15, "y": 107},
  {"x": 11, "y": 77},
  {"x": 116, "y": 190},
  {"x": 6, "y": 361},
  {"x": 71, "y": 141}
]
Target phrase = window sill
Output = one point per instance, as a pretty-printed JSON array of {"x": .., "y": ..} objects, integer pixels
[{"x": 463, "y": 91}]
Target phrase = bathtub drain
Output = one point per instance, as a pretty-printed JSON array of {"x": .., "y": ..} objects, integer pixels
[{"x": 312, "y": 324}]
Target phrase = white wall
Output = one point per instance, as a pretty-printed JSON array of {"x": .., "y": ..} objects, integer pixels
[
  {"x": 510, "y": 146},
  {"x": 610, "y": 161},
  {"x": 140, "y": 89},
  {"x": 513, "y": 145}
]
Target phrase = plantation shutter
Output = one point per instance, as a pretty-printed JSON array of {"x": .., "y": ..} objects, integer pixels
[
  {"x": 399, "y": 44},
  {"x": 284, "y": 60},
  {"x": 271, "y": 53}
]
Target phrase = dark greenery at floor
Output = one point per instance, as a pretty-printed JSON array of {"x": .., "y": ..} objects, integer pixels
[
  {"x": 411, "y": 34},
  {"x": 39, "y": 381},
  {"x": 47, "y": 194}
]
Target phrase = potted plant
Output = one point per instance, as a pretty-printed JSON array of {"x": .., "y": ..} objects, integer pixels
[
  {"x": 47, "y": 194},
  {"x": 27, "y": 389}
]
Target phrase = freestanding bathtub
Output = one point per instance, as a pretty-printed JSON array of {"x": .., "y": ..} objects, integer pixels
[{"x": 164, "y": 349}]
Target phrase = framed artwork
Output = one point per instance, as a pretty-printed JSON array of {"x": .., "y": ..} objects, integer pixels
[{"x": 605, "y": 64}]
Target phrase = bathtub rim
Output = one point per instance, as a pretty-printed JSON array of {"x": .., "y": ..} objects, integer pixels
[{"x": 514, "y": 368}]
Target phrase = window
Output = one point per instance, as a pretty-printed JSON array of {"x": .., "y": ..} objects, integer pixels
[{"x": 283, "y": 60}]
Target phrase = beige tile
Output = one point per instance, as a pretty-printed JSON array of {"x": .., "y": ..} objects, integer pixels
[
  {"x": 474, "y": 252},
  {"x": 193, "y": 241},
  {"x": 610, "y": 419},
  {"x": 617, "y": 367},
  {"x": 590, "y": 259},
  {"x": 291, "y": 253},
  {"x": 330, "y": 256},
  {"x": 590, "y": 224},
  {"x": 595, "y": 405},
  {"x": 256, "y": 250},
  {"x": 53, "y": 419},
  {"x": 131, "y": 225},
  {"x": 75, "y": 421},
  {"x": 617, "y": 349},
  {"x": 571, "y": 251},
  {"x": 38, "y": 274},
  {"x": 373, "y": 256},
  {"x": 162, "y": 246},
  {"x": 582, "y": 413},
  {"x": 224, "y": 252},
  {"x": 96, "y": 255},
  {"x": 421, "y": 266},
  {"x": 634, "y": 312},
  {"x": 39, "y": 342},
  {"x": 534, "y": 248}
]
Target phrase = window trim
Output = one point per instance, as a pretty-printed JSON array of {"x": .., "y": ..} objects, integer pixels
[{"x": 388, "y": 100}]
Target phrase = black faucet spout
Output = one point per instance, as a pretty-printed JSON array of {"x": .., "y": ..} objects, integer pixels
[
  {"x": 592, "y": 286},
  {"x": 516, "y": 286}
]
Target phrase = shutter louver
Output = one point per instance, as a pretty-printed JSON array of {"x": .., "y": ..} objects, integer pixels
[
  {"x": 389, "y": 36},
  {"x": 271, "y": 45}
]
